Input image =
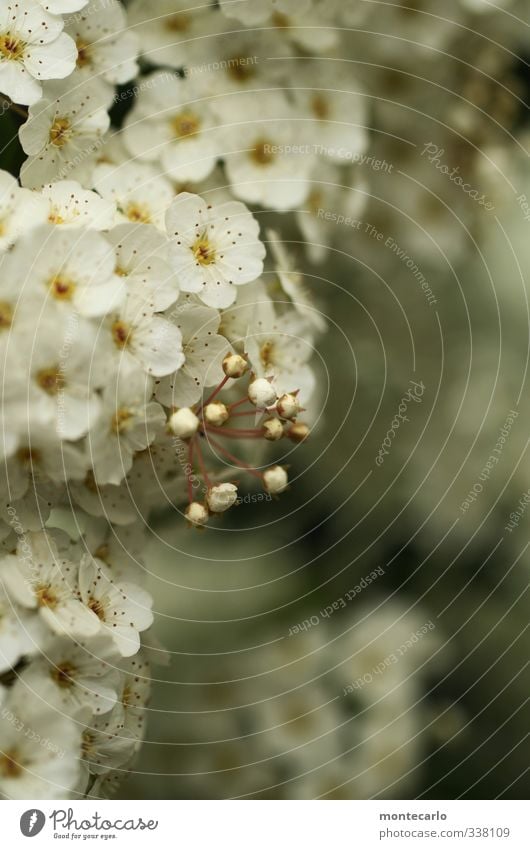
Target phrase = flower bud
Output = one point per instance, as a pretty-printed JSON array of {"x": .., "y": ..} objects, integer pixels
[
  {"x": 275, "y": 480},
  {"x": 261, "y": 393},
  {"x": 234, "y": 365},
  {"x": 216, "y": 413},
  {"x": 196, "y": 514},
  {"x": 183, "y": 423},
  {"x": 288, "y": 406},
  {"x": 221, "y": 497},
  {"x": 298, "y": 432},
  {"x": 273, "y": 429}
]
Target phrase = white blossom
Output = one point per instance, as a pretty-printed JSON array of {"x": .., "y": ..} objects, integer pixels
[
  {"x": 39, "y": 749},
  {"x": 33, "y": 47},
  {"x": 63, "y": 133},
  {"x": 173, "y": 123},
  {"x": 123, "y": 609},
  {"x": 214, "y": 248},
  {"x": 69, "y": 205}
]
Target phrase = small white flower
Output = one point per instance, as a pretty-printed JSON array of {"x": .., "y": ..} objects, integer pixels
[
  {"x": 234, "y": 366},
  {"x": 142, "y": 264},
  {"x": 69, "y": 205},
  {"x": 213, "y": 248},
  {"x": 273, "y": 429},
  {"x": 39, "y": 458},
  {"x": 33, "y": 47},
  {"x": 216, "y": 413},
  {"x": 64, "y": 372},
  {"x": 203, "y": 349},
  {"x": 261, "y": 392},
  {"x": 141, "y": 195},
  {"x": 106, "y": 49},
  {"x": 136, "y": 333},
  {"x": 119, "y": 548},
  {"x": 75, "y": 270},
  {"x": 288, "y": 406},
  {"x": 123, "y": 610},
  {"x": 134, "y": 694},
  {"x": 128, "y": 422},
  {"x": 20, "y": 210},
  {"x": 171, "y": 35},
  {"x": 183, "y": 423},
  {"x": 292, "y": 282},
  {"x": 221, "y": 497},
  {"x": 20, "y": 632},
  {"x": 275, "y": 480},
  {"x": 72, "y": 676},
  {"x": 172, "y": 122},
  {"x": 265, "y": 161},
  {"x": 333, "y": 112},
  {"x": 106, "y": 745},
  {"x": 40, "y": 579},
  {"x": 63, "y": 133},
  {"x": 281, "y": 350},
  {"x": 196, "y": 514},
  {"x": 336, "y": 199},
  {"x": 252, "y": 12},
  {"x": 30, "y": 769}
]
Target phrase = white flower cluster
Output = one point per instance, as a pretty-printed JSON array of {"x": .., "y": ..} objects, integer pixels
[
  {"x": 124, "y": 295},
  {"x": 133, "y": 277}
]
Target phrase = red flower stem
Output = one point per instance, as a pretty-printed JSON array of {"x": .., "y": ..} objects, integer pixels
[
  {"x": 214, "y": 393},
  {"x": 240, "y": 463},
  {"x": 244, "y": 400},
  {"x": 233, "y": 432},
  {"x": 190, "y": 473},
  {"x": 249, "y": 413},
  {"x": 202, "y": 466}
]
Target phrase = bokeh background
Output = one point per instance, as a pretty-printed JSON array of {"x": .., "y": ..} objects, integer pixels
[
  {"x": 366, "y": 636},
  {"x": 264, "y": 692}
]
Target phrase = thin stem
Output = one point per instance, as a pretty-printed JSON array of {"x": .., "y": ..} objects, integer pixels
[
  {"x": 240, "y": 463},
  {"x": 233, "y": 432},
  {"x": 215, "y": 392},
  {"x": 190, "y": 473},
  {"x": 202, "y": 467},
  {"x": 249, "y": 412},
  {"x": 8, "y": 103},
  {"x": 244, "y": 400}
]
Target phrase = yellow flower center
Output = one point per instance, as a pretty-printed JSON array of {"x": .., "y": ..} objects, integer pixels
[
  {"x": 50, "y": 380},
  {"x": 203, "y": 251},
  {"x": 46, "y": 597},
  {"x": 262, "y": 152},
  {"x": 96, "y": 606},
  {"x": 83, "y": 53},
  {"x": 280, "y": 21},
  {"x": 320, "y": 107},
  {"x": 60, "y": 132},
  {"x": 121, "y": 333},
  {"x": 120, "y": 420},
  {"x": 61, "y": 288},
  {"x": 63, "y": 674},
  {"x": 28, "y": 457},
  {"x": 138, "y": 213},
  {"x": 88, "y": 744},
  {"x": 11, "y": 47},
  {"x": 177, "y": 23},
  {"x": 6, "y": 315},
  {"x": 266, "y": 354},
  {"x": 185, "y": 124},
  {"x": 239, "y": 70},
  {"x": 10, "y": 766}
]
